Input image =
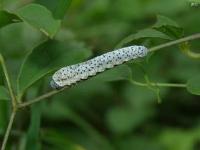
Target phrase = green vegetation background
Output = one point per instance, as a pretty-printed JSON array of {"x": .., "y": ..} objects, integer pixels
[{"x": 107, "y": 112}]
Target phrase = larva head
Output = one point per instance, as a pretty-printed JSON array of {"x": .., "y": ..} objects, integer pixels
[
  {"x": 56, "y": 79},
  {"x": 54, "y": 85},
  {"x": 65, "y": 76}
]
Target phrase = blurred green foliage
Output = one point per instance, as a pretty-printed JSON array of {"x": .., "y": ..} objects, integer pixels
[{"x": 106, "y": 112}]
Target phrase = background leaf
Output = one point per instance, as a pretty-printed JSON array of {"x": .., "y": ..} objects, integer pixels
[
  {"x": 34, "y": 128},
  {"x": 120, "y": 120},
  {"x": 168, "y": 26},
  {"x": 121, "y": 72},
  {"x": 4, "y": 108},
  {"x": 7, "y": 18},
  {"x": 164, "y": 21},
  {"x": 39, "y": 17},
  {"x": 4, "y": 93},
  {"x": 146, "y": 33},
  {"x": 64, "y": 112},
  {"x": 59, "y": 140},
  {"x": 58, "y": 7},
  {"x": 193, "y": 85}
]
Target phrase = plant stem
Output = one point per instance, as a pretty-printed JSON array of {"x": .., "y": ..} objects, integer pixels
[
  {"x": 30, "y": 102},
  {"x": 176, "y": 85},
  {"x": 188, "y": 38},
  {"x": 14, "y": 101},
  {"x": 49, "y": 94},
  {"x": 12, "y": 117}
]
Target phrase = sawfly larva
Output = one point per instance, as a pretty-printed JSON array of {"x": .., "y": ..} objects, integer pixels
[{"x": 71, "y": 74}]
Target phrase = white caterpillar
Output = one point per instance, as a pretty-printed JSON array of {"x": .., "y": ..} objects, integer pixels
[{"x": 74, "y": 73}]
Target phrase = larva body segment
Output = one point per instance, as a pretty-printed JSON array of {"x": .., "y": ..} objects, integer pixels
[{"x": 74, "y": 73}]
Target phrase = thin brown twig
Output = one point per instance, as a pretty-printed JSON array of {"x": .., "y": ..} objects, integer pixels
[
  {"x": 188, "y": 38},
  {"x": 175, "y": 85},
  {"x": 8, "y": 130},
  {"x": 14, "y": 103},
  {"x": 49, "y": 94},
  {"x": 14, "y": 100}
]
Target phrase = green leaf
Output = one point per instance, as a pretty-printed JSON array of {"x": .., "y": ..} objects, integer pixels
[
  {"x": 177, "y": 139},
  {"x": 4, "y": 93},
  {"x": 39, "y": 17},
  {"x": 4, "y": 116},
  {"x": 59, "y": 140},
  {"x": 168, "y": 27},
  {"x": 120, "y": 119},
  {"x": 164, "y": 21},
  {"x": 121, "y": 72},
  {"x": 7, "y": 18},
  {"x": 61, "y": 110},
  {"x": 141, "y": 142},
  {"x": 193, "y": 85},
  {"x": 124, "y": 119},
  {"x": 146, "y": 33},
  {"x": 58, "y": 7},
  {"x": 62, "y": 6},
  {"x": 34, "y": 128},
  {"x": 1, "y": 73},
  {"x": 48, "y": 57}
]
